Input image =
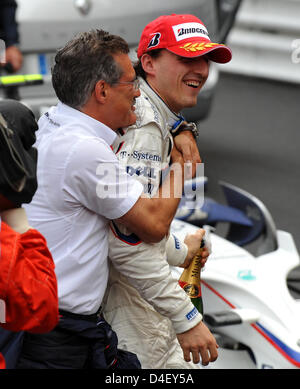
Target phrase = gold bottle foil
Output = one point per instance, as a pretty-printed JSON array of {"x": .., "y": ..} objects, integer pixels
[{"x": 191, "y": 283}]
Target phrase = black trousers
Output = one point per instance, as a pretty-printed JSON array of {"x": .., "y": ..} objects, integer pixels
[{"x": 77, "y": 342}]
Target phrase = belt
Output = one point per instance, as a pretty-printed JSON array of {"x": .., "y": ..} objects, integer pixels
[{"x": 93, "y": 317}]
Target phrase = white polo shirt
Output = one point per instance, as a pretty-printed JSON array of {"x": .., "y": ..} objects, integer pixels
[{"x": 81, "y": 186}]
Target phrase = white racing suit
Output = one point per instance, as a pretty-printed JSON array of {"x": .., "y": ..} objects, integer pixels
[{"x": 145, "y": 305}]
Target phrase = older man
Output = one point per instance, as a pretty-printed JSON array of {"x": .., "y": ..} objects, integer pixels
[{"x": 81, "y": 187}]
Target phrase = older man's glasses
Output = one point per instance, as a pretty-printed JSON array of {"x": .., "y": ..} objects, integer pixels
[{"x": 135, "y": 83}]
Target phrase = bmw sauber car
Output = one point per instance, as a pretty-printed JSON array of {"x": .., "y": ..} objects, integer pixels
[{"x": 251, "y": 301}]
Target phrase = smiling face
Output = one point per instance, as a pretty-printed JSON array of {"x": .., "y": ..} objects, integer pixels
[
  {"x": 177, "y": 80},
  {"x": 123, "y": 95}
]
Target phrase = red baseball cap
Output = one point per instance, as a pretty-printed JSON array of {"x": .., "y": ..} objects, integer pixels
[{"x": 184, "y": 35}]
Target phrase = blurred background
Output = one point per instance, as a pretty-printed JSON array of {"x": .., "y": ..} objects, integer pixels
[
  {"x": 248, "y": 112},
  {"x": 251, "y": 137}
]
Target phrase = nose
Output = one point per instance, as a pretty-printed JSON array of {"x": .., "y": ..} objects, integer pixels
[
  {"x": 202, "y": 64},
  {"x": 201, "y": 67}
]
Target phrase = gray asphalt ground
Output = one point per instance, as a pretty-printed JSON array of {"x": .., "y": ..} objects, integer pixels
[{"x": 251, "y": 139}]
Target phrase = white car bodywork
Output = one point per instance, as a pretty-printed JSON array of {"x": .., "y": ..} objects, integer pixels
[{"x": 267, "y": 329}]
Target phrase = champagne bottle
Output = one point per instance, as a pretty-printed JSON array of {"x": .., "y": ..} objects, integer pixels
[{"x": 190, "y": 280}]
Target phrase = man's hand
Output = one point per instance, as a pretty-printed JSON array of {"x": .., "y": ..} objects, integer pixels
[
  {"x": 193, "y": 242},
  {"x": 198, "y": 340},
  {"x": 14, "y": 56},
  {"x": 176, "y": 156},
  {"x": 187, "y": 145}
]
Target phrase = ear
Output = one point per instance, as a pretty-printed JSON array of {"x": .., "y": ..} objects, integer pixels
[
  {"x": 148, "y": 64},
  {"x": 101, "y": 91}
]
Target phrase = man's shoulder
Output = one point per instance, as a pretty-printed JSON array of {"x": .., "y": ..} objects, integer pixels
[{"x": 71, "y": 148}]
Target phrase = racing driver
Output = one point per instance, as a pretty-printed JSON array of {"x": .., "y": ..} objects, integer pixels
[{"x": 151, "y": 314}]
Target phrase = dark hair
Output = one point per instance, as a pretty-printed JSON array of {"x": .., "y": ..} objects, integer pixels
[
  {"x": 83, "y": 61},
  {"x": 138, "y": 65}
]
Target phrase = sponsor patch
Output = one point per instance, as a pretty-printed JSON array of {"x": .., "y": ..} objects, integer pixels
[
  {"x": 192, "y": 314},
  {"x": 155, "y": 113},
  {"x": 141, "y": 155},
  {"x": 155, "y": 40},
  {"x": 177, "y": 243},
  {"x": 143, "y": 171},
  {"x": 51, "y": 121},
  {"x": 246, "y": 275},
  {"x": 190, "y": 30}
]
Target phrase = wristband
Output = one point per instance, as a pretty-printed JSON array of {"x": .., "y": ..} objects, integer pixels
[
  {"x": 176, "y": 251},
  {"x": 184, "y": 126}
]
